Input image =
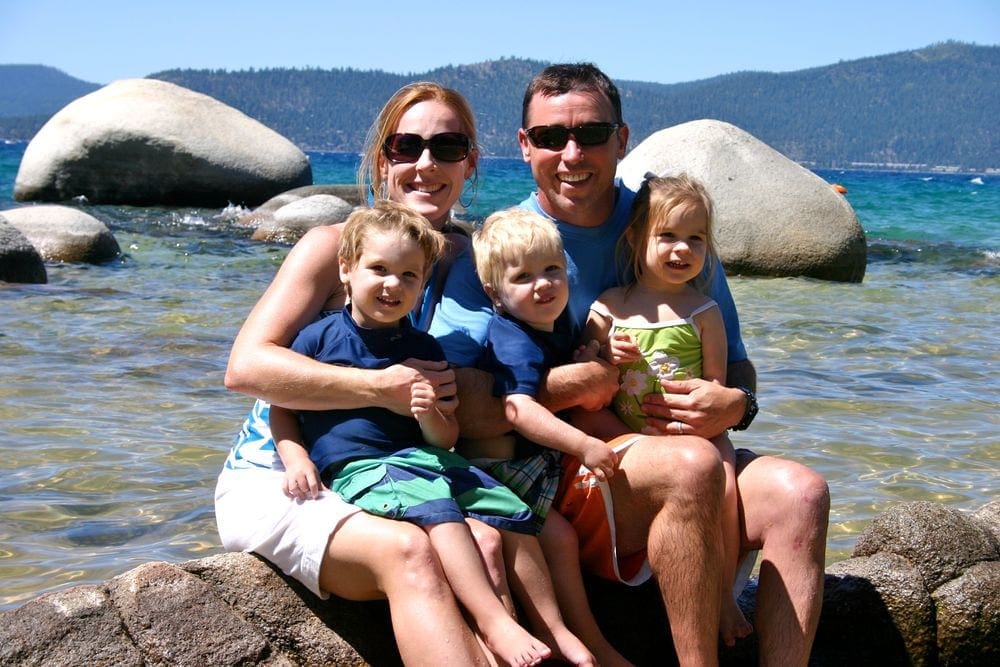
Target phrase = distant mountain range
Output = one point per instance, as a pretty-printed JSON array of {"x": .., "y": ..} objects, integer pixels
[{"x": 929, "y": 108}]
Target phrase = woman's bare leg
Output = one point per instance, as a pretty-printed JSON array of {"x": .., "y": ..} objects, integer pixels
[{"x": 370, "y": 558}]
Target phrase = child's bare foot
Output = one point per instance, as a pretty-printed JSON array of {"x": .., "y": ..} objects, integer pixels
[
  {"x": 568, "y": 647},
  {"x": 733, "y": 624},
  {"x": 513, "y": 644}
]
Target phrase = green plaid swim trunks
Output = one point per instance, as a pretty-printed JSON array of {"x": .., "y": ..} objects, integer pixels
[{"x": 428, "y": 485}]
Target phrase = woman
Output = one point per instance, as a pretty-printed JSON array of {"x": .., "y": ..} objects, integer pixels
[{"x": 420, "y": 152}]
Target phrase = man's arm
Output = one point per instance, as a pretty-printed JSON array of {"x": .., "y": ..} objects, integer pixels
[{"x": 589, "y": 385}]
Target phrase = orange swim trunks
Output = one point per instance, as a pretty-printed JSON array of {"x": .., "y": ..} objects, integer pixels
[{"x": 586, "y": 503}]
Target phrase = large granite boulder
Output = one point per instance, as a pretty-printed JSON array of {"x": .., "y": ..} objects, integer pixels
[
  {"x": 20, "y": 262},
  {"x": 145, "y": 142},
  {"x": 64, "y": 234},
  {"x": 772, "y": 216}
]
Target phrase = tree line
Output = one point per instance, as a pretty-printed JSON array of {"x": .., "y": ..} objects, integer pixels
[{"x": 930, "y": 107}]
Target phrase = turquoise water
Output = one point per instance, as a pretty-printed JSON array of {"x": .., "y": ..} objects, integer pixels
[{"x": 115, "y": 420}]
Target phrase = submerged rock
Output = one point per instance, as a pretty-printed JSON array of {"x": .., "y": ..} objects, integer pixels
[
  {"x": 772, "y": 216},
  {"x": 145, "y": 142}
]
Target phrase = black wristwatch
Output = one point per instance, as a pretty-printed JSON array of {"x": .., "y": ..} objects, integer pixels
[{"x": 750, "y": 413}]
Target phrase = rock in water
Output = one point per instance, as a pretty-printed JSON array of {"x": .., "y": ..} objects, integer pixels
[
  {"x": 145, "y": 142},
  {"x": 64, "y": 234},
  {"x": 773, "y": 217},
  {"x": 19, "y": 260}
]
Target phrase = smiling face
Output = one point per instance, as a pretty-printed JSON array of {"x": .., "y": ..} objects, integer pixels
[
  {"x": 386, "y": 281},
  {"x": 575, "y": 184},
  {"x": 674, "y": 251},
  {"x": 428, "y": 186},
  {"x": 533, "y": 289}
]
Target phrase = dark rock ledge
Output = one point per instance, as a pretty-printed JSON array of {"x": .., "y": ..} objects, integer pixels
[{"x": 923, "y": 588}]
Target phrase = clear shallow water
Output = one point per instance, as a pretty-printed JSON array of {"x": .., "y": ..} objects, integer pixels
[{"x": 115, "y": 421}]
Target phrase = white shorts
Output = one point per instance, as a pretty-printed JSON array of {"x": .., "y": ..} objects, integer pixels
[{"x": 253, "y": 514}]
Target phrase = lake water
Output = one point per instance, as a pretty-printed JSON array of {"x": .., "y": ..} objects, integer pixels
[{"x": 116, "y": 423}]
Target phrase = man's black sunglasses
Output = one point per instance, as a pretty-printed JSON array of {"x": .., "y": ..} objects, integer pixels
[
  {"x": 446, "y": 147},
  {"x": 554, "y": 137}
]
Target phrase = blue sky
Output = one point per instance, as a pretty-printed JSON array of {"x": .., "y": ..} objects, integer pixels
[{"x": 648, "y": 40}]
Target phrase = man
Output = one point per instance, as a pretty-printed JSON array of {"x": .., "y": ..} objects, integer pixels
[{"x": 667, "y": 494}]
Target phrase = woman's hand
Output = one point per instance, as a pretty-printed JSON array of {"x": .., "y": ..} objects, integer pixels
[{"x": 397, "y": 383}]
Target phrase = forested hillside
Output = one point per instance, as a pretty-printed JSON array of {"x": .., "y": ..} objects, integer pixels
[{"x": 923, "y": 108}]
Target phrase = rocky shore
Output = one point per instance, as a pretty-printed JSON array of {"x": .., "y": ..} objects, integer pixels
[{"x": 922, "y": 588}]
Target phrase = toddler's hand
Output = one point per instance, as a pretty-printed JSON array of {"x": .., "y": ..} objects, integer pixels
[
  {"x": 301, "y": 481},
  {"x": 622, "y": 349},
  {"x": 422, "y": 398},
  {"x": 601, "y": 459}
]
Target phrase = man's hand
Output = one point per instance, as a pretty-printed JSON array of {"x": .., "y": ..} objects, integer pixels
[{"x": 694, "y": 407}]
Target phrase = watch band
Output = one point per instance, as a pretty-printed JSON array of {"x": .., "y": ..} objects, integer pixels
[{"x": 750, "y": 413}]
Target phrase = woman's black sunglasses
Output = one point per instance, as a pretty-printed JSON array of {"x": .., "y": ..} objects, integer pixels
[
  {"x": 554, "y": 137},
  {"x": 446, "y": 147}
]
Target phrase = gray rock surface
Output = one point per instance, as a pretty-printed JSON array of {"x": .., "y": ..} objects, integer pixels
[
  {"x": 940, "y": 541},
  {"x": 20, "y": 262},
  {"x": 235, "y": 608},
  {"x": 143, "y": 142},
  {"x": 773, "y": 217},
  {"x": 65, "y": 234}
]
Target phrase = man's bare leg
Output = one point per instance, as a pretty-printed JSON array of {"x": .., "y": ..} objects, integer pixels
[
  {"x": 668, "y": 497},
  {"x": 786, "y": 509}
]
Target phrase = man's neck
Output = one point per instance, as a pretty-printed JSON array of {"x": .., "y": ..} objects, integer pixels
[{"x": 582, "y": 215}]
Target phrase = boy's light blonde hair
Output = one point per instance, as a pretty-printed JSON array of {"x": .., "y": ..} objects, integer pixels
[
  {"x": 654, "y": 201},
  {"x": 506, "y": 237},
  {"x": 387, "y": 216}
]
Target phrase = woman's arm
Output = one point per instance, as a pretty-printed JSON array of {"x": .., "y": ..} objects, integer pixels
[{"x": 261, "y": 365}]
